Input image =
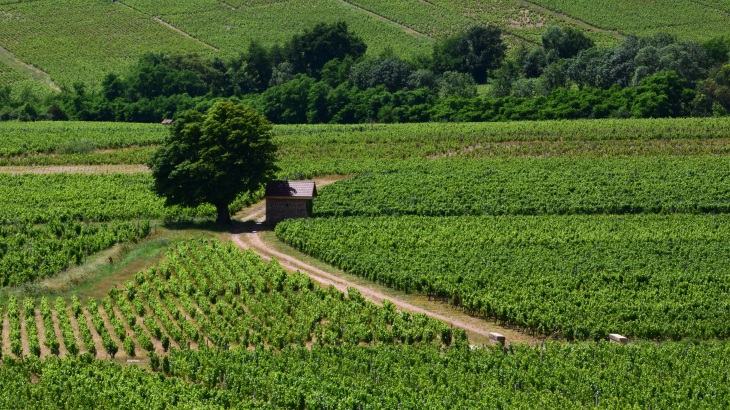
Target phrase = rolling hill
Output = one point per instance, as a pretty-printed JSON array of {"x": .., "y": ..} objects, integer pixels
[{"x": 75, "y": 40}]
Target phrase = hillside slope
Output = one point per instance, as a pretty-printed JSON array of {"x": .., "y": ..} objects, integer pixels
[{"x": 74, "y": 40}]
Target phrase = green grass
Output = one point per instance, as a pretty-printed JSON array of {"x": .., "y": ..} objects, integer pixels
[{"x": 95, "y": 277}]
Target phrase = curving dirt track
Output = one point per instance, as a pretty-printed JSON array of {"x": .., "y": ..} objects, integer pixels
[{"x": 474, "y": 326}]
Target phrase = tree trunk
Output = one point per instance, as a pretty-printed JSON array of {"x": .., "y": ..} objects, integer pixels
[{"x": 224, "y": 218}]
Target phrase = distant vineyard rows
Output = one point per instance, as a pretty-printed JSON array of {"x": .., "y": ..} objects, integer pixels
[{"x": 535, "y": 186}]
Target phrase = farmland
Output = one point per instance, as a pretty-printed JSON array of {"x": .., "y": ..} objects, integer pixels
[
  {"x": 330, "y": 149},
  {"x": 559, "y": 231},
  {"x": 61, "y": 38},
  {"x": 209, "y": 294},
  {"x": 31, "y": 252},
  {"x": 230, "y": 30},
  {"x": 89, "y": 197},
  {"x": 17, "y": 138},
  {"x": 82, "y": 41},
  {"x": 569, "y": 253},
  {"x": 684, "y": 18},
  {"x": 556, "y": 186},
  {"x": 650, "y": 276},
  {"x": 9, "y": 76}
]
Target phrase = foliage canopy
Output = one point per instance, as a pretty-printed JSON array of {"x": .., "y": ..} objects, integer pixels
[{"x": 213, "y": 158}]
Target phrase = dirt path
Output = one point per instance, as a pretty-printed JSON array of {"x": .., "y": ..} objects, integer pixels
[
  {"x": 77, "y": 333},
  {"x": 74, "y": 169},
  {"x": 62, "y": 350},
  {"x": 474, "y": 326},
  {"x": 130, "y": 333},
  {"x": 121, "y": 354},
  {"x": 86, "y": 315},
  {"x": 155, "y": 342},
  {"x": 40, "y": 326},
  {"x": 168, "y": 25},
  {"x": 5, "y": 337},
  {"x": 24, "y": 335}
]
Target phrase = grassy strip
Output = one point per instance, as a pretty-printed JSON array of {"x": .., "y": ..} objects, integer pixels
[{"x": 98, "y": 275}]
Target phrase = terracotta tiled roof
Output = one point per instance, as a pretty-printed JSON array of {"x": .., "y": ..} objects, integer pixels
[
  {"x": 166, "y": 122},
  {"x": 291, "y": 189}
]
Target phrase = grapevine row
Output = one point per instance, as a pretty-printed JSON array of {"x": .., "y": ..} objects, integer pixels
[{"x": 649, "y": 276}]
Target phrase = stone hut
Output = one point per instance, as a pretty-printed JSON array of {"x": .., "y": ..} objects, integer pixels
[{"x": 289, "y": 199}]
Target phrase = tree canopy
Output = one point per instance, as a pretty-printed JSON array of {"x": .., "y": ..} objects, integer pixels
[
  {"x": 214, "y": 158},
  {"x": 310, "y": 51},
  {"x": 477, "y": 51}
]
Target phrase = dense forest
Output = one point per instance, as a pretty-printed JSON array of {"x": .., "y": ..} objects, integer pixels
[{"x": 323, "y": 75}]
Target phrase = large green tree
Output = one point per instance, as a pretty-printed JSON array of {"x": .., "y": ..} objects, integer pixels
[{"x": 214, "y": 158}]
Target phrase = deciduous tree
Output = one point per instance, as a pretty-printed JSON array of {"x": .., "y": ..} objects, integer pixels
[{"x": 214, "y": 158}]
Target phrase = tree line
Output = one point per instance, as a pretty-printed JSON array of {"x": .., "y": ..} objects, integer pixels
[{"x": 324, "y": 75}]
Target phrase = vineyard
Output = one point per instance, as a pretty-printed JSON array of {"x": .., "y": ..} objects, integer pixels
[
  {"x": 53, "y": 221},
  {"x": 442, "y": 18},
  {"x": 699, "y": 20},
  {"x": 31, "y": 252},
  {"x": 533, "y": 187},
  {"x": 329, "y": 149},
  {"x": 9, "y": 76},
  {"x": 82, "y": 41},
  {"x": 312, "y": 348},
  {"x": 23, "y": 138},
  {"x": 558, "y": 232},
  {"x": 274, "y": 22},
  {"x": 209, "y": 294},
  {"x": 584, "y": 277},
  {"x": 77, "y": 40},
  {"x": 663, "y": 375},
  {"x": 92, "y": 197}
]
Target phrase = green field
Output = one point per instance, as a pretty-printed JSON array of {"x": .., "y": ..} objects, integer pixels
[
  {"x": 695, "y": 20},
  {"x": 344, "y": 149},
  {"x": 217, "y": 298},
  {"x": 562, "y": 232},
  {"x": 18, "y": 138},
  {"x": 649, "y": 276},
  {"x": 535, "y": 186},
  {"x": 33, "y": 252},
  {"x": 8, "y": 76},
  {"x": 231, "y": 30},
  {"x": 77, "y": 40},
  {"x": 82, "y": 41}
]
